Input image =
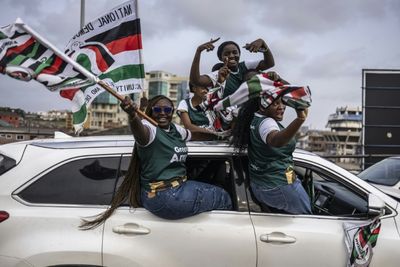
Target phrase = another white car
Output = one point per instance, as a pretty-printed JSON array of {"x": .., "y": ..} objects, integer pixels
[
  {"x": 47, "y": 186},
  {"x": 385, "y": 175}
]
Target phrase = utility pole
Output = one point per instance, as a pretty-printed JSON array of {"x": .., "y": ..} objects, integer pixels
[{"x": 82, "y": 13}]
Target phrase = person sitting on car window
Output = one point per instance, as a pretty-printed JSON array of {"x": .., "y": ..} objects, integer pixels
[
  {"x": 157, "y": 174},
  {"x": 270, "y": 148}
]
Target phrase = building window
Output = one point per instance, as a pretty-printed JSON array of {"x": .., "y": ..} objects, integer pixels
[
  {"x": 8, "y": 136},
  {"x": 20, "y": 137}
]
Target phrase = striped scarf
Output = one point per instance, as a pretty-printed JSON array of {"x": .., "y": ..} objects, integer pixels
[{"x": 263, "y": 85}]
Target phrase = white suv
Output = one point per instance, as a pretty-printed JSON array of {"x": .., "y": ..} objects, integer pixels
[{"x": 47, "y": 186}]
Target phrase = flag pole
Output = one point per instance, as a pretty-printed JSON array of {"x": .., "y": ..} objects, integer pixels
[
  {"x": 140, "y": 51},
  {"x": 78, "y": 67},
  {"x": 46, "y": 43}
]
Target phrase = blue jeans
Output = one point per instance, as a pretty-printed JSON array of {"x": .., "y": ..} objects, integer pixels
[
  {"x": 186, "y": 200},
  {"x": 291, "y": 198}
]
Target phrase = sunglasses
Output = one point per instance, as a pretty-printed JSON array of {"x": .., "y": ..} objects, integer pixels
[{"x": 166, "y": 110}]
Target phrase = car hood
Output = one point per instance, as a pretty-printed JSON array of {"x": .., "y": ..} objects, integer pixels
[{"x": 393, "y": 192}]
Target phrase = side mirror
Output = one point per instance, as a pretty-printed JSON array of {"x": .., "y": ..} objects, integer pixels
[{"x": 376, "y": 206}]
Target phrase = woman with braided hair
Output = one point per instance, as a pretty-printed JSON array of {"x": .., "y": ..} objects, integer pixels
[
  {"x": 270, "y": 147},
  {"x": 156, "y": 177}
]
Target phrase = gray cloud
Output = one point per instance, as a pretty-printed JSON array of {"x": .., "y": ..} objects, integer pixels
[
  {"x": 314, "y": 16},
  {"x": 333, "y": 64},
  {"x": 213, "y": 17}
]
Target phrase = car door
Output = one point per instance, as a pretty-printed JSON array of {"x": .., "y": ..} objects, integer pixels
[
  {"x": 318, "y": 239},
  {"x": 49, "y": 209},
  {"x": 135, "y": 237}
]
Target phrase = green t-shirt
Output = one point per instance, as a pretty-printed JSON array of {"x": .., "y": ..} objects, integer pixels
[
  {"x": 268, "y": 165},
  {"x": 235, "y": 79},
  {"x": 196, "y": 117},
  {"x": 164, "y": 158}
]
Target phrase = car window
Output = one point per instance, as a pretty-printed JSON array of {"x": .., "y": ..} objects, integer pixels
[
  {"x": 328, "y": 196},
  {"x": 206, "y": 169},
  {"x": 385, "y": 172},
  {"x": 219, "y": 171},
  {"x": 124, "y": 166},
  {"x": 82, "y": 181},
  {"x": 6, "y": 163},
  {"x": 213, "y": 170}
]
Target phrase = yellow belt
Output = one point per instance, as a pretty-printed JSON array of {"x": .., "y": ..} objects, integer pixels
[{"x": 162, "y": 185}]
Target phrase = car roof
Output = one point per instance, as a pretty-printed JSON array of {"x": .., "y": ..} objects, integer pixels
[{"x": 15, "y": 150}]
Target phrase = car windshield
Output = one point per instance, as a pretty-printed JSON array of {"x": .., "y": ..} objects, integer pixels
[
  {"x": 6, "y": 163},
  {"x": 385, "y": 172}
]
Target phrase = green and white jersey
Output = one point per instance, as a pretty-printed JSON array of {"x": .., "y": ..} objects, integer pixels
[
  {"x": 268, "y": 165},
  {"x": 197, "y": 117},
  {"x": 235, "y": 79},
  {"x": 164, "y": 157}
]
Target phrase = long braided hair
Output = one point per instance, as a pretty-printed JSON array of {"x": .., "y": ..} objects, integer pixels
[
  {"x": 130, "y": 187},
  {"x": 241, "y": 130}
]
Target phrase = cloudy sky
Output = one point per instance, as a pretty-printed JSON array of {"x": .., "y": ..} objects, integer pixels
[{"x": 323, "y": 44}]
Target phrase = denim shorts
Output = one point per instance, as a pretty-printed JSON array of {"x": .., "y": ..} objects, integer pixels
[
  {"x": 291, "y": 198},
  {"x": 188, "y": 199}
]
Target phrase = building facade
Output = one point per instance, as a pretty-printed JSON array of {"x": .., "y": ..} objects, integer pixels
[
  {"x": 164, "y": 83},
  {"x": 11, "y": 116},
  {"x": 11, "y": 134},
  {"x": 344, "y": 138},
  {"x": 341, "y": 143}
]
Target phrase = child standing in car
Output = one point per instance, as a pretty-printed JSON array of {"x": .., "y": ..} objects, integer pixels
[{"x": 191, "y": 117}]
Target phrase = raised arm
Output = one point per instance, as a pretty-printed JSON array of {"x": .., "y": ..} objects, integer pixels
[
  {"x": 259, "y": 45},
  {"x": 195, "y": 77},
  {"x": 281, "y": 138},
  {"x": 139, "y": 131}
]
